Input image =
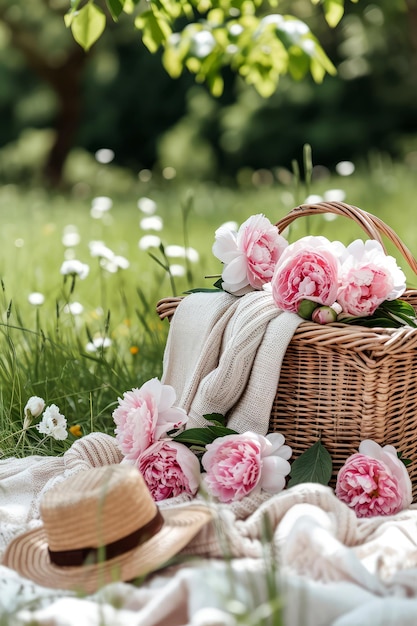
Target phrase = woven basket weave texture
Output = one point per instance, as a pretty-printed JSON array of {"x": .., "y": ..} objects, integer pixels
[{"x": 346, "y": 383}]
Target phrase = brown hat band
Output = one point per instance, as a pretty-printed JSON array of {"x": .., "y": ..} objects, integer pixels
[{"x": 75, "y": 558}]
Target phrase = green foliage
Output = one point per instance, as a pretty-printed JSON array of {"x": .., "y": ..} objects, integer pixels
[
  {"x": 87, "y": 24},
  {"x": 198, "y": 438},
  {"x": 369, "y": 105},
  {"x": 312, "y": 466},
  {"x": 203, "y": 436},
  {"x": 52, "y": 360},
  {"x": 405, "y": 461},
  {"x": 222, "y": 33},
  {"x": 333, "y": 10},
  {"x": 154, "y": 31}
]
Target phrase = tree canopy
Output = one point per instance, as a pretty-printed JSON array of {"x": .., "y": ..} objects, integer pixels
[
  {"x": 204, "y": 36},
  {"x": 55, "y": 95}
]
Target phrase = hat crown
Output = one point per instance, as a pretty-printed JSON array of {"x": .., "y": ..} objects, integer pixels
[{"x": 95, "y": 508}]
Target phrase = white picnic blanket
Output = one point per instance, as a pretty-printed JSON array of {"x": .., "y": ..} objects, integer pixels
[{"x": 332, "y": 569}]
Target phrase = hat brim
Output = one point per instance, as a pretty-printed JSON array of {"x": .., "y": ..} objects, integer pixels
[{"x": 28, "y": 554}]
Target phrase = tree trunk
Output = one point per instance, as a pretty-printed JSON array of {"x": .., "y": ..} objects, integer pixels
[
  {"x": 412, "y": 29},
  {"x": 65, "y": 81}
]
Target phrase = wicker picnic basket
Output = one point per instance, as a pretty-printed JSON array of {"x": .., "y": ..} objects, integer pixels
[{"x": 345, "y": 383}]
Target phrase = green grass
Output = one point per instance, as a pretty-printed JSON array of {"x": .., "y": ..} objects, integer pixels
[{"x": 43, "y": 349}]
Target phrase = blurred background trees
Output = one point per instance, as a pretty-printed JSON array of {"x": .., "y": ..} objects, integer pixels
[{"x": 54, "y": 97}]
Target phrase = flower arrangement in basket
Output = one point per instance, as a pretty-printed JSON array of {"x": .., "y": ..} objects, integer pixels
[
  {"x": 229, "y": 466},
  {"x": 319, "y": 279},
  {"x": 333, "y": 287},
  {"x": 369, "y": 385}
]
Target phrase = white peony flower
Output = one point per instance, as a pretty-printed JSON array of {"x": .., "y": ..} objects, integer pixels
[
  {"x": 53, "y": 423},
  {"x": 249, "y": 254}
]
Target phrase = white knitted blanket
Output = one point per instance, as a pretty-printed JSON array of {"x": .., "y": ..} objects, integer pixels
[
  {"x": 332, "y": 569},
  {"x": 224, "y": 355},
  {"x": 24, "y": 481}
]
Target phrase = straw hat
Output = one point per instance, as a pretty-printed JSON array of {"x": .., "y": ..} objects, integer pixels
[{"x": 99, "y": 526}]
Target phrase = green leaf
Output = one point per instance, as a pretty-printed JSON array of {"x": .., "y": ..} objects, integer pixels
[
  {"x": 405, "y": 461},
  {"x": 400, "y": 305},
  {"x": 220, "y": 431},
  {"x": 173, "y": 61},
  {"x": 202, "y": 290},
  {"x": 203, "y": 436},
  {"x": 155, "y": 258},
  {"x": 88, "y": 25},
  {"x": 321, "y": 57},
  {"x": 298, "y": 64},
  {"x": 129, "y": 6},
  {"x": 68, "y": 17},
  {"x": 155, "y": 29},
  {"x": 333, "y": 11},
  {"x": 115, "y": 8},
  {"x": 218, "y": 418},
  {"x": 313, "y": 466},
  {"x": 400, "y": 309},
  {"x": 216, "y": 85}
]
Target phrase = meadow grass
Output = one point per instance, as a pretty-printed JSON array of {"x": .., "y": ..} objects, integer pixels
[{"x": 48, "y": 350}]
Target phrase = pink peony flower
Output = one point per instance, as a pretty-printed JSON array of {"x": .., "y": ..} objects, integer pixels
[
  {"x": 144, "y": 416},
  {"x": 236, "y": 465},
  {"x": 374, "y": 481},
  {"x": 169, "y": 469},
  {"x": 307, "y": 269},
  {"x": 368, "y": 277},
  {"x": 249, "y": 255}
]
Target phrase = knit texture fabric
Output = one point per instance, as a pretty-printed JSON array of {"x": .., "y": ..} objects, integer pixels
[
  {"x": 224, "y": 355},
  {"x": 24, "y": 481},
  {"x": 348, "y": 571}
]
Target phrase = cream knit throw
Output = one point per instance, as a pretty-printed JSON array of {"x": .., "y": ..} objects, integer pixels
[
  {"x": 24, "y": 481},
  {"x": 224, "y": 355},
  {"x": 342, "y": 570}
]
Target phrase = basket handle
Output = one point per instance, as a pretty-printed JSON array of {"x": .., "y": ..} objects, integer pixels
[{"x": 373, "y": 226}]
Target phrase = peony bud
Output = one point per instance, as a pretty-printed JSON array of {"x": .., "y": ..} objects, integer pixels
[
  {"x": 306, "y": 308},
  {"x": 324, "y": 315},
  {"x": 34, "y": 406}
]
